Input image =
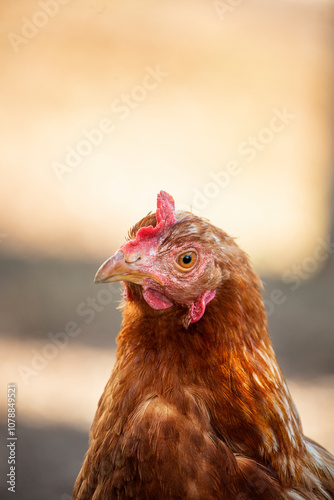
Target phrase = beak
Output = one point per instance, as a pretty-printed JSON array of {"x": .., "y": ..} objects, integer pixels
[{"x": 117, "y": 269}]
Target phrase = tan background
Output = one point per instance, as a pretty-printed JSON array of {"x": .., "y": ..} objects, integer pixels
[
  {"x": 227, "y": 72},
  {"x": 228, "y": 69}
]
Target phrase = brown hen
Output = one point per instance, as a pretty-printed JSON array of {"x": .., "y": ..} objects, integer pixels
[{"x": 196, "y": 407}]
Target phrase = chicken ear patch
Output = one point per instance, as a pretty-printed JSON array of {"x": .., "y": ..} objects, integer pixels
[{"x": 197, "y": 309}]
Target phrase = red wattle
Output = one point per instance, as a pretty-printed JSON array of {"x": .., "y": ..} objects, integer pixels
[{"x": 156, "y": 300}]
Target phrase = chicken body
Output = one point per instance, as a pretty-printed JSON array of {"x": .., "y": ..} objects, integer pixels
[{"x": 196, "y": 407}]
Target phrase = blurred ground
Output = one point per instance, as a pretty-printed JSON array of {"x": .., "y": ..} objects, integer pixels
[{"x": 59, "y": 387}]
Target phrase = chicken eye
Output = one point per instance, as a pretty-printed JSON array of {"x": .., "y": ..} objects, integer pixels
[{"x": 186, "y": 260}]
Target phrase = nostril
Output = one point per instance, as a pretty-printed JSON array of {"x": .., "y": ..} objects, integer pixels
[{"x": 134, "y": 257}]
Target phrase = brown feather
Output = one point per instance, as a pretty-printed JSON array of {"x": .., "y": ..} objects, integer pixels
[{"x": 202, "y": 410}]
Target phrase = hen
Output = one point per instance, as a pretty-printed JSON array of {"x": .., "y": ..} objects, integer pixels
[{"x": 196, "y": 406}]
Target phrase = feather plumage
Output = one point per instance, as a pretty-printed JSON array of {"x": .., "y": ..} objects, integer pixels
[{"x": 196, "y": 406}]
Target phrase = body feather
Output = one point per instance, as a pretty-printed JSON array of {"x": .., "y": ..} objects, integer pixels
[{"x": 200, "y": 410}]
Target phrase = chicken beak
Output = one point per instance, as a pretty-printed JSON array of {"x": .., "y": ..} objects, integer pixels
[{"x": 117, "y": 269}]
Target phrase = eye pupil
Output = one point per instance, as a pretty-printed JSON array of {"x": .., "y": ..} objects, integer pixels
[{"x": 186, "y": 259}]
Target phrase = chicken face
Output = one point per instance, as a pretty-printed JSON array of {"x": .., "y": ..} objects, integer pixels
[{"x": 169, "y": 261}]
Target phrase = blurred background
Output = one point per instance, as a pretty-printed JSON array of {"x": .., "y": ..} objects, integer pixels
[{"x": 227, "y": 105}]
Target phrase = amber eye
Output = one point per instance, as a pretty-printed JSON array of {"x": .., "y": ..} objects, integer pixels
[{"x": 186, "y": 260}]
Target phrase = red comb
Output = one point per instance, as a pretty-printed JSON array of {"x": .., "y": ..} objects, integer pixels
[
  {"x": 165, "y": 209},
  {"x": 165, "y": 218}
]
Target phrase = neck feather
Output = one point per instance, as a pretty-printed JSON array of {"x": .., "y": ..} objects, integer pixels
[{"x": 227, "y": 365}]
